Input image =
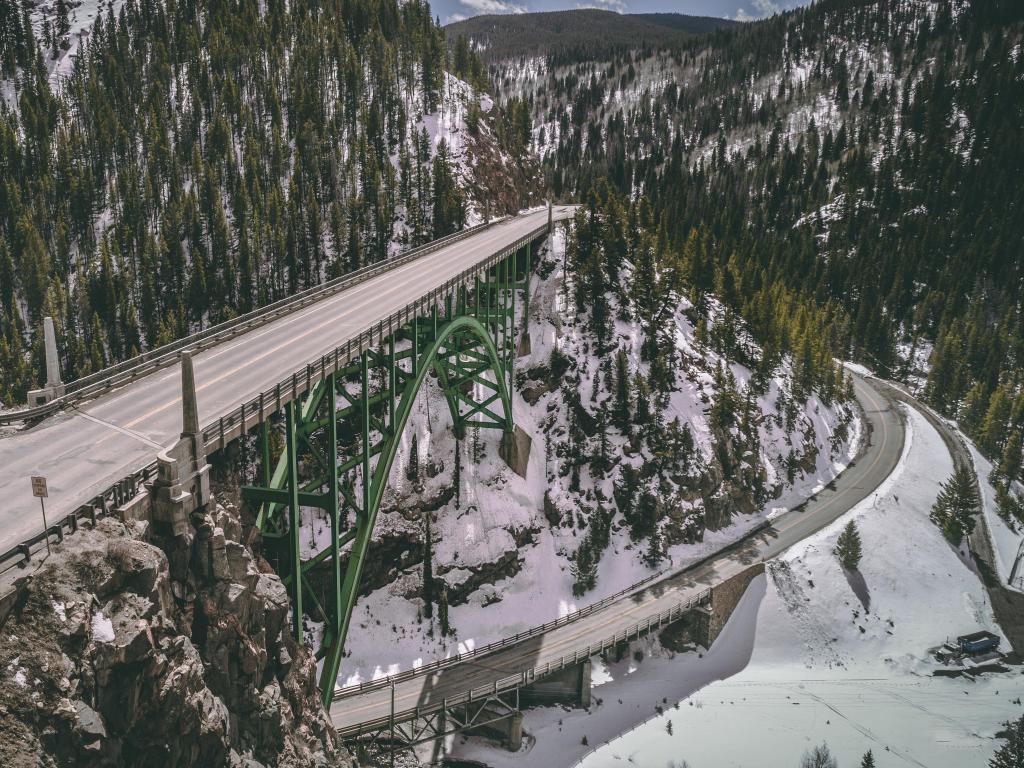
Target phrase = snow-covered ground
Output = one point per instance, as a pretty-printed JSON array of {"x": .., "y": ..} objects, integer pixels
[
  {"x": 501, "y": 520},
  {"x": 802, "y": 661}
]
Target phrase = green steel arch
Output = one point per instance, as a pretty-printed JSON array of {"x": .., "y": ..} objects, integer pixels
[{"x": 340, "y": 445}]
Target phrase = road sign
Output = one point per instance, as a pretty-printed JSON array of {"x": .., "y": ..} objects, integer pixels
[{"x": 39, "y": 487}]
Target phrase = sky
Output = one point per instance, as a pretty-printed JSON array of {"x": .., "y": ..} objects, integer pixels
[{"x": 743, "y": 10}]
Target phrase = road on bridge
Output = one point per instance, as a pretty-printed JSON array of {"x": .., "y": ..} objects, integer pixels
[
  {"x": 83, "y": 450},
  {"x": 856, "y": 483}
]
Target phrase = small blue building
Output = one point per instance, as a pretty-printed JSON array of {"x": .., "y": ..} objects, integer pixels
[{"x": 977, "y": 642}]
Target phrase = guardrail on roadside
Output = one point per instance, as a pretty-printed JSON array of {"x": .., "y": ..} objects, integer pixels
[
  {"x": 155, "y": 359},
  {"x": 527, "y": 677},
  {"x": 219, "y": 433}
]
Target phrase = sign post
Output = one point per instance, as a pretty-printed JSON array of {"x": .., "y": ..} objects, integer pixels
[{"x": 40, "y": 491}]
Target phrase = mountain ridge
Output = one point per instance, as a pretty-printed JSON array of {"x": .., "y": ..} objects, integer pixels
[{"x": 582, "y": 31}]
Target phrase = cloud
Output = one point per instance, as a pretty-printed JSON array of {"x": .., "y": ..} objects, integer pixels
[
  {"x": 456, "y": 17},
  {"x": 761, "y": 8},
  {"x": 493, "y": 6},
  {"x": 619, "y": 6}
]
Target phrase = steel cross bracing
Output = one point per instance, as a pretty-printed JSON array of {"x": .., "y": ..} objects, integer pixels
[
  {"x": 341, "y": 439},
  {"x": 400, "y": 734}
]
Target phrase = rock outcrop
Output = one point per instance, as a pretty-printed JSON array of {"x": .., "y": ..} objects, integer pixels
[{"x": 131, "y": 650}]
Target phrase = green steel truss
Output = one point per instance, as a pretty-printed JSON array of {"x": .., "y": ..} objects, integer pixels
[{"x": 341, "y": 464}]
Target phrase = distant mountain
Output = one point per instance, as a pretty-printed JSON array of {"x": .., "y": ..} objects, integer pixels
[{"x": 584, "y": 33}]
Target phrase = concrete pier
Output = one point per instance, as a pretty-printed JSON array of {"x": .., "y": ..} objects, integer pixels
[
  {"x": 54, "y": 386},
  {"x": 568, "y": 686},
  {"x": 183, "y": 476}
]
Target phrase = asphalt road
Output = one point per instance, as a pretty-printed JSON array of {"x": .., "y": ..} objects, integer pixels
[
  {"x": 82, "y": 451},
  {"x": 858, "y": 481}
]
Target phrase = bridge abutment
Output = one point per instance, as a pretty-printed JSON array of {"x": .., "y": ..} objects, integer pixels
[
  {"x": 567, "y": 686},
  {"x": 515, "y": 450}
]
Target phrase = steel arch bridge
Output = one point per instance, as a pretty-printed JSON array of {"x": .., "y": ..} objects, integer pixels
[{"x": 341, "y": 439}]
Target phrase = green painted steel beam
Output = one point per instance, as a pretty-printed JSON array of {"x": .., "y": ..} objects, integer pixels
[{"x": 463, "y": 341}]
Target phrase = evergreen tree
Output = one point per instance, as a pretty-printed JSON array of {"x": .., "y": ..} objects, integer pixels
[
  {"x": 429, "y": 588},
  {"x": 584, "y": 568},
  {"x": 1011, "y": 754},
  {"x": 868, "y": 761},
  {"x": 848, "y": 547},
  {"x": 442, "y": 610},
  {"x": 957, "y": 504},
  {"x": 413, "y": 470}
]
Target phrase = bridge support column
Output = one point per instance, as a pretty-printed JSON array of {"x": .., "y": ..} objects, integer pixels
[
  {"x": 515, "y": 450},
  {"x": 182, "y": 484},
  {"x": 567, "y": 686},
  {"x": 54, "y": 386}
]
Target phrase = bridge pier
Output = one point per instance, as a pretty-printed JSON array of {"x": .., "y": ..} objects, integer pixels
[
  {"x": 567, "y": 686},
  {"x": 54, "y": 386},
  {"x": 508, "y": 730},
  {"x": 182, "y": 484},
  {"x": 515, "y": 450}
]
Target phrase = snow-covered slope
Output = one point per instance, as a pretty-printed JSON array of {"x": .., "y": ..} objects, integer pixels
[
  {"x": 802, "y": 661},
  {"x": 507, "y": 562}
]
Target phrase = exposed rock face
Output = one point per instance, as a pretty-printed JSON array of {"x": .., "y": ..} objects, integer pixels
[{"x": 171, "y": 653}]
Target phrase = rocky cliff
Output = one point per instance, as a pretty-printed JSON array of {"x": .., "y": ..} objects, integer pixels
[{"x": 129, "y": 649}]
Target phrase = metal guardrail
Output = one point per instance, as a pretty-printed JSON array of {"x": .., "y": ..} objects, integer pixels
[
  {"x": 218, "y": 434},
  {"x": 168, "y": 354},
  {"x": 527, "y": 677}
]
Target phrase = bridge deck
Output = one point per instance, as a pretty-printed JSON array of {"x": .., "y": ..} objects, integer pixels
[
  {"x": 85, "y": 449},
  {"x": 852, "y": 486}
]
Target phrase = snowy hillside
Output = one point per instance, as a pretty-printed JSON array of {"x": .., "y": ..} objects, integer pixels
[
  {"x": 506, "y": 547},
  {"x": 803, "y": 661}
]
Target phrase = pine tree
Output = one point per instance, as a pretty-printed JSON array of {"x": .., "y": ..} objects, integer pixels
[
  {"x": 957, "y": 504},
  {"x": 1010, "y": 461},
  {"x": 428, "y": 568},
  {"x": 442, "y": 610},
  {"x": 868, "y": 761},
  {"x": 1011, "y": 754},
  {"x": 848, "y": 547},
  {"x": 413, "y": 470},
  {"x": 584, "y": 568},
  {"x": 621, "y": 413}
]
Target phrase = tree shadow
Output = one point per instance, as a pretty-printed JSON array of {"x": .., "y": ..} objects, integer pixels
[{"x": 860, "y": 587}]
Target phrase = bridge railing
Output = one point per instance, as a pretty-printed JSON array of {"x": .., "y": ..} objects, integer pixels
[
  {"x": 218, "y": 434},
  {"x": 168, "y": 354},
  {"x": 528, "y": 676}
]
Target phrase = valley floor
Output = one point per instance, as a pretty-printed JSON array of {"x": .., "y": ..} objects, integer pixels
[{"x": 803, "y": 661}]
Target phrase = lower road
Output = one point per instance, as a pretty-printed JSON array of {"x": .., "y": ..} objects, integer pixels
[
  {"x": 885, "y": 433},
  {"x": 84, "y": 450}
]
